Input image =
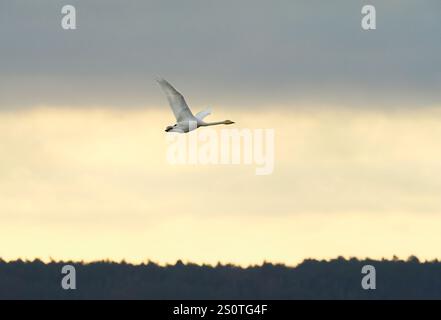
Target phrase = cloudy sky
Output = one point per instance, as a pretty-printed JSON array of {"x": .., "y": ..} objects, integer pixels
[{"x": 356, "y": 114}]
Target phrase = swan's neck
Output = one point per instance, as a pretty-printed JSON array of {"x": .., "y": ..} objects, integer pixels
[{"x": 206, "y": 124}]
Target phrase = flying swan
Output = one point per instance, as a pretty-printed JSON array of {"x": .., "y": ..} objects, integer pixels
[{"x": 186, "y": 121}]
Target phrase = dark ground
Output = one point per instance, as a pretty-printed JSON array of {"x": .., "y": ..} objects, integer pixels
[{"x": 335, "y": 279}]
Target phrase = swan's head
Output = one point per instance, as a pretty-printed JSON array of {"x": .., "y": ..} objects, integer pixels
[
  {"x": 169, "y": 128},
  {"x": 228, "y": 122}
]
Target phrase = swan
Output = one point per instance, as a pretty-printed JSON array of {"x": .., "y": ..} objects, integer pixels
[{"x": 186, "y": 121}]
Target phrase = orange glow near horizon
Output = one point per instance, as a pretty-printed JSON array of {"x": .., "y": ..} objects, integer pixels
[{"x": 94, "y": 184}]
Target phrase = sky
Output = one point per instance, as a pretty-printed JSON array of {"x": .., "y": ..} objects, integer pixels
[{"x": 356, "y": 116}]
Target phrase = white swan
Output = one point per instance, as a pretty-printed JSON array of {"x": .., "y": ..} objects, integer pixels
[{"x": 186, "y": 121}]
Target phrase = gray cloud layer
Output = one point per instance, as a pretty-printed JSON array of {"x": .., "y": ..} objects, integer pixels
[{"x": 247, "y": 52}]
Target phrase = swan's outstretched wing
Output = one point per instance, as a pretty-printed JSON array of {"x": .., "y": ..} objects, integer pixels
[
  {"x": 176, "y": 100},
  {"x": 202, "y": 114}
]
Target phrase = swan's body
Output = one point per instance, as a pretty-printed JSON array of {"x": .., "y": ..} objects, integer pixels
[{"x": 185, "y": 120}]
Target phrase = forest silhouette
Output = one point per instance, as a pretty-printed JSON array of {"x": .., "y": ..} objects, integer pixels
[{"x": 334, "y": 279}]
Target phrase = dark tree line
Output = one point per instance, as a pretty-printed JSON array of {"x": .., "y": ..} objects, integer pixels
[{"x": 312, "y": 279}]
